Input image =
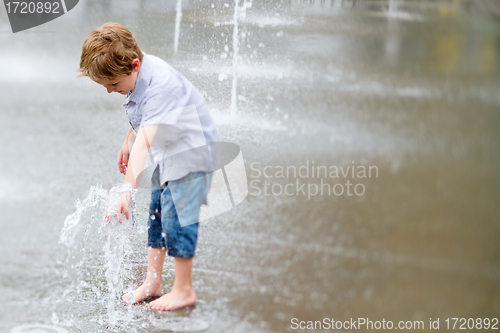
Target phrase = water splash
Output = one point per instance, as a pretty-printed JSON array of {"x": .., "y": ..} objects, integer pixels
[
  {"x": 116, "y": 249},
  {"x": 84, "y": 233},
  {"x": 178, "y": 17},
  {"x": 72, "y": 224},
  {"x": 240, "y": 7}
]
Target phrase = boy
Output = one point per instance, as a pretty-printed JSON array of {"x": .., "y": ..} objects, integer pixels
[{"x": 168, "y": 119}]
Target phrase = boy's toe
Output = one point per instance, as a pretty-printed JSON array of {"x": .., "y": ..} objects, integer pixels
[{"x": 129, "y": 297}]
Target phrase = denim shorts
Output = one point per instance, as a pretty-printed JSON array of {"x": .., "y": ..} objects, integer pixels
[{"x": 164, "y": 224}]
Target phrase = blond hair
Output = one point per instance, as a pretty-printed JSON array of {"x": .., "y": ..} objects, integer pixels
[{"x": 108, "y": 52}]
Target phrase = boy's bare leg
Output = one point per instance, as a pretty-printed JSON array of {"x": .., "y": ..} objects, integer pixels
[
  {"x": 182, "y": 293},
  {"x": 152, "y": 286}
]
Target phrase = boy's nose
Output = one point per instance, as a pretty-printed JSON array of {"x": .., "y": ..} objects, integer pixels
[{"x": 110, "y": 90}]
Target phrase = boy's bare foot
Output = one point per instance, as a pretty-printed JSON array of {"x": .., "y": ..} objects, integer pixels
[
  {"x": 152, "y": 286},
  {"x": 143, "y": 292},
  {"x": 174, "y": 300}
]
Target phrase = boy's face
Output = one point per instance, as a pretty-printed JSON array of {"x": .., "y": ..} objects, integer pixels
[{"x": 122, "y": 84}]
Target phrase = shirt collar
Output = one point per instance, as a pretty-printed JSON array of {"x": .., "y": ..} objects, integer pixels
[{"x": 142, "y": 82}]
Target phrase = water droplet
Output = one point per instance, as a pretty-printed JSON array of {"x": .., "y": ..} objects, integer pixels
[{"x": 55, "y": 318}]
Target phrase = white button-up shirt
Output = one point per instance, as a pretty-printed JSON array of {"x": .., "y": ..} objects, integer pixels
[{"x": 164, "y": 97}]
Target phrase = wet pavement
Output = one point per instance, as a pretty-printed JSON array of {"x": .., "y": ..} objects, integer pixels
[{"x": 405, "y": 93}]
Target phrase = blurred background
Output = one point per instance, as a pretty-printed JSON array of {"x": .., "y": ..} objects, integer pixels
[{"x": 409, "y": 88}]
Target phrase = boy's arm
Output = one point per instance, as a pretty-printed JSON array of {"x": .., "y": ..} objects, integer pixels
[
  {"x": 125, "y": 151},
  {"x": 139, "y": 154},
  {"x": 136, "y": 164}
]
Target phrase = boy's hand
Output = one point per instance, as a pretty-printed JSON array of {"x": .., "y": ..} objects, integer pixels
[
  {"x": 123, "y": 206},
  {"x": 123, "y": 158},
  {"x": 124, "y": 154}
]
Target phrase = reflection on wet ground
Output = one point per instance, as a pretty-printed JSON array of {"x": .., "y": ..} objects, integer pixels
[{"x": 409, "y": 88}]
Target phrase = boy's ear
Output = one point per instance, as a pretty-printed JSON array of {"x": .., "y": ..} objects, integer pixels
[{"x": 136, "y": 64}]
